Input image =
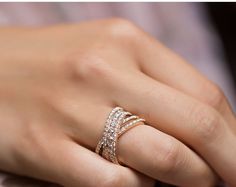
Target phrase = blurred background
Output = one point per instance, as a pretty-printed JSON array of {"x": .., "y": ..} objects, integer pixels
[
  {"x": 222, "y": 15},
  {"x": 203, "y": 33}
]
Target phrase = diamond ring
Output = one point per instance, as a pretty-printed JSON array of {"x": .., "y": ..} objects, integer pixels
[{"x": 118, "y": 122}]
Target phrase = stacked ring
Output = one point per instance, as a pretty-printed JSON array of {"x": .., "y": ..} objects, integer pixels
[{"x": 117, "y": 123}]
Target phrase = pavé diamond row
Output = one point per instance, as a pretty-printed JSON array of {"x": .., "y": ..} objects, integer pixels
[{"x": 117, "y": 123}]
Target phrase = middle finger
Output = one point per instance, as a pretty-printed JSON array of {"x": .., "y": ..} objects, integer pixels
[
  {"x": 171, "y": 111},
  {"x": 143, "y": 148}
]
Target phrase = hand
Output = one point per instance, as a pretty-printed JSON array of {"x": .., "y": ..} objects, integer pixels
[{"x": 59, "y": 83}]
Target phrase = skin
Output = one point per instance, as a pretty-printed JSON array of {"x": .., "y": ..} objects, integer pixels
[{"x": 59, "y": 83}]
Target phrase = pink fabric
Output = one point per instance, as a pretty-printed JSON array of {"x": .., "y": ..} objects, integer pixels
[{"x": 184, "y": 27}]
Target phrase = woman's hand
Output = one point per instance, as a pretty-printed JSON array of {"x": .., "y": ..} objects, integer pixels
[{"x": 58, "y": 84}]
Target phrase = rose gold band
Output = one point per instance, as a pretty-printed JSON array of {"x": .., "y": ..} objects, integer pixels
[{"x": 117, "y": 123}]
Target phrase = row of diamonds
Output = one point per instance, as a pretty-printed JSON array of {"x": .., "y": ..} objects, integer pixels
[
  {"x": 130, "y": 125},
  {"x": 130, "y": 118},
  {"x": 111, "y": 134},
  {"x": 107, "y": 124},
  {"x": 112, "y": 146}
]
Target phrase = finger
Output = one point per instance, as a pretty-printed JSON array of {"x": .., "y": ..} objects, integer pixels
[
  {"x": 194, "y": 123},
  {"x": 167, "y": 67},
  {"x": 86, "y": 128},
  {"x": 163, "y": 157},
  {"x": 80, "y": 167},
  {"x": 66, "y": 163},
  {"x": 189, "y": 168}
]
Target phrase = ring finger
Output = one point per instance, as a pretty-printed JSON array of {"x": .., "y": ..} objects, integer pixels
[{"x": 158, "y": 155}]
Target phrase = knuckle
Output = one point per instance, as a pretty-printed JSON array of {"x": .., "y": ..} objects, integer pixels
[
  {"x": 122, "y": 29},
  {"x": 207, "y": 123},
  {"x": 215, "y": 96},
  {"x": 113, "y": 178},
  {"x": 168, "y": 157},
  {"x": 90, "y": 65}
]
